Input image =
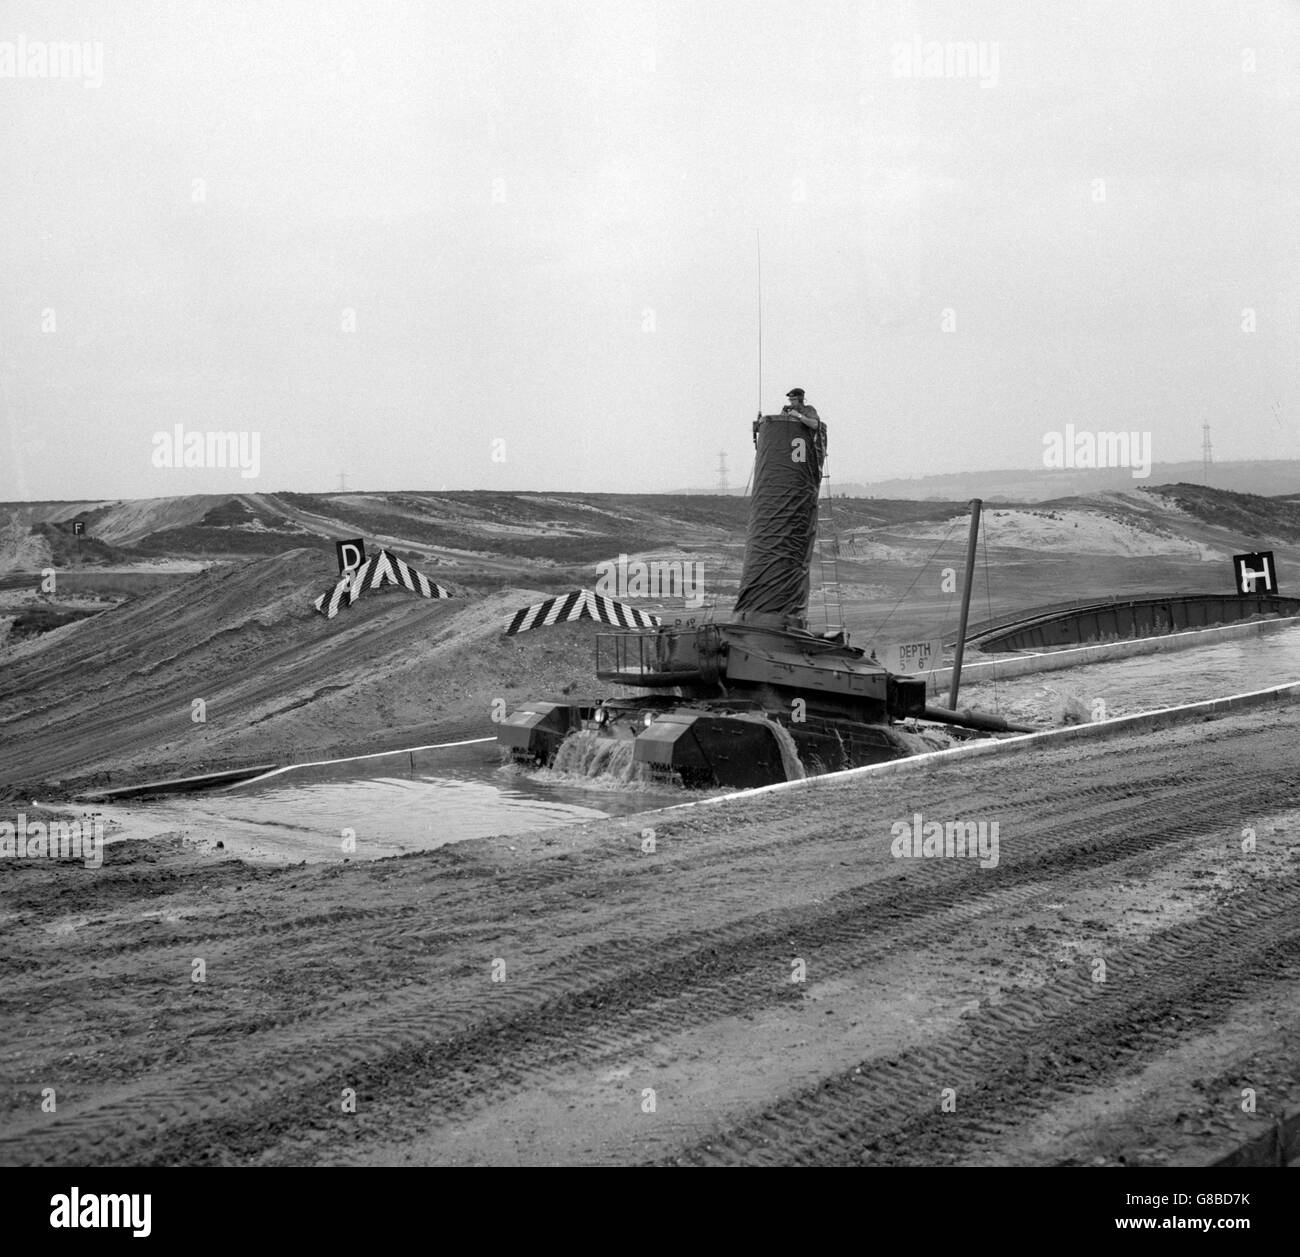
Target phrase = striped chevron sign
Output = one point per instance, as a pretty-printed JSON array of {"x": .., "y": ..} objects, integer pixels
[
  {"x": 577, "y": 605},
  {"x": 384, "y": 568}
]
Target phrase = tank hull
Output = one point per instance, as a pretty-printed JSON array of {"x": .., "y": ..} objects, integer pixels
[
  {"x": 700, "y": 746},
  {"x": 534, "y": 733}
]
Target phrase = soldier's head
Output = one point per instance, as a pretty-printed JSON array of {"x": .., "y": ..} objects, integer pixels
[{"x": 795, "y": 397}]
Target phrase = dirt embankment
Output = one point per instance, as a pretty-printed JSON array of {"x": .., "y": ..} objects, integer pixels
[
  {"x": 233, "y": 665},
  {"x": 753, "y": 982}
]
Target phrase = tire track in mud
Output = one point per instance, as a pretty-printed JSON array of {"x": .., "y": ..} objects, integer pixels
[
  {"x": 617, "y": 996},
  {"x": 490, "y": 898},
  {"x": 425, "y": 1027},
  {"x": 398, "y": 923},
  {"x": 1019, "y": 1058}
]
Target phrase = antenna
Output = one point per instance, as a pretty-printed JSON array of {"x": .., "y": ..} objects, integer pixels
[
  {"x": 758, "y": 246},
  {"x": 723, "y": 486},
  {"x": 1207, "y": 454}
]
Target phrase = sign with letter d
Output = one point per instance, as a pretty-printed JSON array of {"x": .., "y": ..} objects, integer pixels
[{"x": 352, "y": 554}]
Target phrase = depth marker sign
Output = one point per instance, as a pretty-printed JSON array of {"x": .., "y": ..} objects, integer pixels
[
  {"x": 913, "y": 657},
  {"x": 1254, "y": 573}
]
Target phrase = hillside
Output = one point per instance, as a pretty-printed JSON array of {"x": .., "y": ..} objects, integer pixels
[
  {"x": 1243, "y": 514},
  {"x": 1271, "y": 477},
  {"x": 115, "y": 693}
]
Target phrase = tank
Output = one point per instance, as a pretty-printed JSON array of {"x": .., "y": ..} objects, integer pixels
[{"x": 753, "y": 701}]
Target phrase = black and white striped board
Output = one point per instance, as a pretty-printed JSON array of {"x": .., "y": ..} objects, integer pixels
[
  {"x": 384, "y": 568},
  {"x": 581, "y": 603}
]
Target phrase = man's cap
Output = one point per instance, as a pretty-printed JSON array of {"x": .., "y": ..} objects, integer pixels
[{"x": 795, "y": 392}]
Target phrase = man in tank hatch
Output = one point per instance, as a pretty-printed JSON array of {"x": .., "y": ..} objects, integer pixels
[{"x": 797, "y": 407}]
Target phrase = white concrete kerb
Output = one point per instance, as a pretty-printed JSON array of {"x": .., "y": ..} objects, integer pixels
[{"x": 352, "y": 759}]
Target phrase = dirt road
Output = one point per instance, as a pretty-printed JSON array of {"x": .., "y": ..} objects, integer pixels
[{"x": 767, "y": 985}]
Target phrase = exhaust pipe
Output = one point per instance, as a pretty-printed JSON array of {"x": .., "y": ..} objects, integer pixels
[{"x": 976, "y": 720}]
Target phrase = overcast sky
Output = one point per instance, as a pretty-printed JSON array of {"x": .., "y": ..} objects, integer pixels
[{"x": 477, "y": 245}]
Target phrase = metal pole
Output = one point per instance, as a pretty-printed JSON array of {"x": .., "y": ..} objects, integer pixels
[
  {"x": 758, "y": 249},
  {"x": 965, "y": 601}
]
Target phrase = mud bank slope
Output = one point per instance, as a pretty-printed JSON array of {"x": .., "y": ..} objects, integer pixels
[{"x": 118, "y": 694}]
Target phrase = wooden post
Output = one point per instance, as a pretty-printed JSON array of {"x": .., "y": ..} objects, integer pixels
[{"x": 965, "y": 601}]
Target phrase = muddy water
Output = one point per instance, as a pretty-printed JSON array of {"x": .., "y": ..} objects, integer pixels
[
  {"x": 392, "y": 809},
  {"x": 586, "y": 755},
  {"x": 1124, "y": 687}
]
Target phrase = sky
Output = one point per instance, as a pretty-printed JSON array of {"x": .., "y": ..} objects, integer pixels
[{"x": 482, "y": 245}]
